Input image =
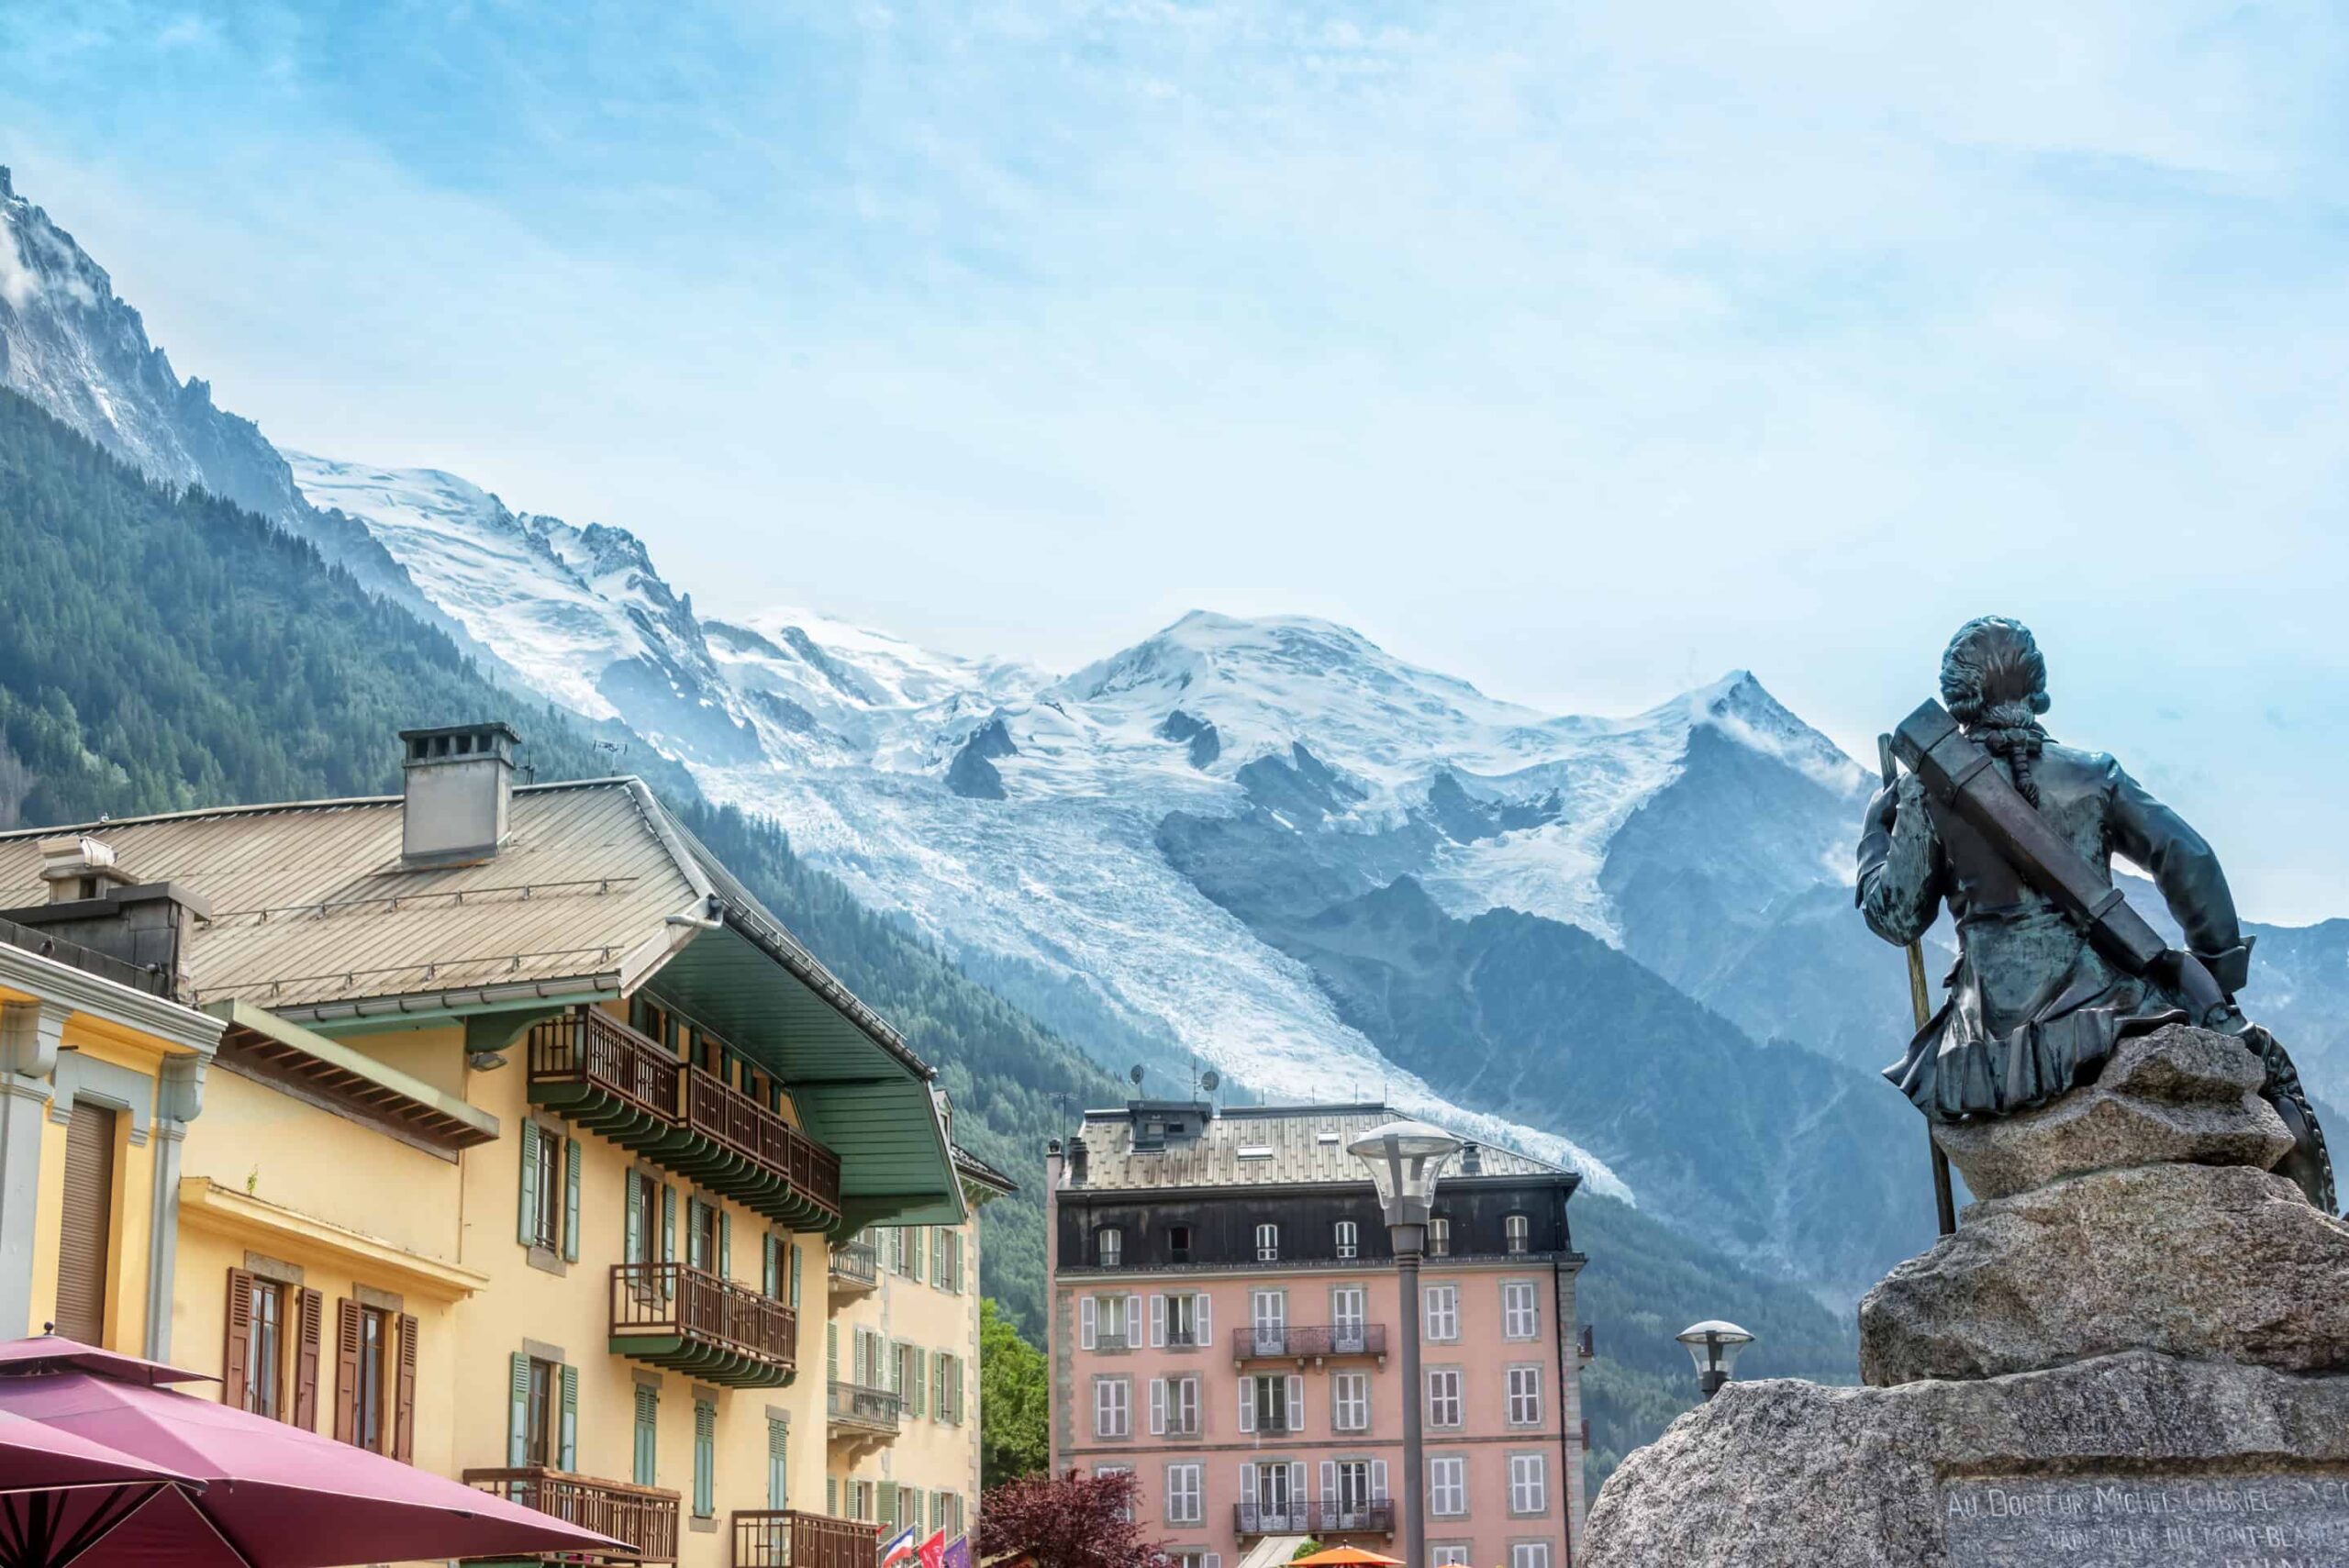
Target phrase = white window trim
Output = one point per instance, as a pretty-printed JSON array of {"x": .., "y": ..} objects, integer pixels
[
  {"x": 1509, "y": 1392},
  {"x": 1540, "y": 1462},
  {"x": 1459, "y": 1398},
  {"x": 1433, "y": 1511},
  {"x": 1533, "y": 1294}
]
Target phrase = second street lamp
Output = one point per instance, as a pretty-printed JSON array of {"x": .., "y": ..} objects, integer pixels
[
  {"x": 1405, "y": 1158},
  {"x": 1713, "y": 1345}
]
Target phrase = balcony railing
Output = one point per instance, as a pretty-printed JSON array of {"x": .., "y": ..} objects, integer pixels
[
  {"x": 785, "y": 1538},
  {"x": 860, "y": 1406},
  {"x": 1315, "y": 1517},
  {"x": 1344, "y": 1339},
  {"x": 856, "y": 1265},
  {"x": 683, "y": 1318},
  {"x": 630, "y": 1088},
  {"x": 644, "y": 1517}
]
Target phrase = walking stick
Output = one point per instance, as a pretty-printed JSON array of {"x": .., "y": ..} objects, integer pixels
[{"x": 1944, "y": 1203}]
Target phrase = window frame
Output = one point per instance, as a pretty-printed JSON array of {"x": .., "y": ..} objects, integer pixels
[
  {"x": 1456, "y": 1397},
  {"x": 1537, "y": 1465},
  {"x": 1440, "y": 1236},
  {"x": 1529, "y": 1306},
  {"x": 1517, "y": 1233},
  {"x": 1109, "y": 1247},
  {"x": 1346, "y": 1237},
  {"x": 1530, "y": 1374},
  {"x": 1449, "y": 1293},
  {"x": 1458, "y": 1465},
  {"x": 1268, "y": 1241},
  {"x": 1195, "y": 1493},
  {"x": 1121, "y": 1384},
  {"x": 1340, "y": 1404}
]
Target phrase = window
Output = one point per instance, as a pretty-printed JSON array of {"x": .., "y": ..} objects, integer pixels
[
  {"x": 1109, "y": 1247},
  {"x": 1528, "y": 1484},
  {"x": 1439, "y": 1237},
  {"x": 1529, "y": 1554},
  {"x": 1349, "y": 1402},
  {"x": 949, "y": 1375},
  {"x": 1178, "y": 1243},
  {"x": 1349, "y": 1488},
  {"x": 366, "y": 1353},
  {"x": 1115, "y": 1324},
  {"x": 1268, "y": 1243},
  {"x": 703, "y": 1250},
  {"x": 1175, "y": 1406},
  {"x": 1442, "y": 1315},
  {"x": 1183, "y": 1320},
  {"x": 1349, "y": 1308},
  {"x": 1268, "y": 1321},
  {"x": 1273, "y": 1402},
  {"x": 1448, "y": 1556},
  {"x": 538, "y": 1444},
  {"x": 1443, "y": 1397},
  {"x": 1517, "y": 1233},
  {"x": 1113, "y": 1411},
  {"x": 1185, "y": 1494},
  {"x": 646, "y": 1469},
  {"x": 705, "y": 1459},
  {"x": 778, "y": 1463},
  {"x": 1132, "y": 1496},
  {"x": 1349, "y": 1245},
  {"x": 1525, "y": 1396},
  {"x": 550, "y": 1192},
  {"x": 1448, "y": 1487},
  {"x": 272, "y": 1351},
  {"x": 1520, "y": 1316}
]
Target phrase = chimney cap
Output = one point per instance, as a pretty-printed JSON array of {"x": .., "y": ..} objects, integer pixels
[{"x": 491, "y": 739}]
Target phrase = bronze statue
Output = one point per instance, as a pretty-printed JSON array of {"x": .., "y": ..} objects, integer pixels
[{"x": 2016, "y": 834}]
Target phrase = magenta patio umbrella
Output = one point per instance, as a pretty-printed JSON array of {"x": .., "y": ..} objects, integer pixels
[
  {"x": 62, "y": 1493},
  {"x": 272, "y": 1495}
]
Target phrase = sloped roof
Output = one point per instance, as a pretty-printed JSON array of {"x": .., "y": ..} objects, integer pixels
[
  {"x": 1299, "y": 1145},
  {"x": 310, "y": 903}
]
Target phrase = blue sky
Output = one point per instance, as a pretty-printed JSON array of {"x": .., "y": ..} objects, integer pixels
[{"x": 1586, "y": 350}]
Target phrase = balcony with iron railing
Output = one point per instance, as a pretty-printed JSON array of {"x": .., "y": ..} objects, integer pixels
[
  {"x": 1297, "y": 1343},
  {"x": 787, "y": 1538},
  {"x": 1316, "y": 1517},
  {"x": 855, "y": 1266},
  {"x": 644, "y": 1517},
  {"x": 606, "y": 1077},
  {"x": 686, "y": 1319},
  {"x": 861, "y": 1407}
]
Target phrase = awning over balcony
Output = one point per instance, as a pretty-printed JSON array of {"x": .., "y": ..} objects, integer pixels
[{"x": 857, "y": 1088}]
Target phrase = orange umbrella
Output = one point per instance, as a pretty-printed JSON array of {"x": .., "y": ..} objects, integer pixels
[{"x": 1346, "y": 1557}]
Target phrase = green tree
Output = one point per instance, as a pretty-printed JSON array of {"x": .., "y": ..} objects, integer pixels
[{"x": 1014, "y": 1401}]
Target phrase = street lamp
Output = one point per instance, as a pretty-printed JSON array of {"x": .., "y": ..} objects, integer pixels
[
  {"x": 1405, "y": 1158},
  {"x": 1713, "y": 1345}
]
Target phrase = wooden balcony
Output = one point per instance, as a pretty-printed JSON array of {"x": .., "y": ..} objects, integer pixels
[
  {"x": 1315, "y": 1519},
  {"x": 682, "y": 1318},
  {"x": 855, "y": 1266},
  {"x": 787, "y": 1538},
  {"x": 1301, "y": 1344},
  {"x": 644, "y": 1517},
  {"x": 604, "y": 1075}
]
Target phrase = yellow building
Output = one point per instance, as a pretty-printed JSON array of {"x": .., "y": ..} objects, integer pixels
[
  {"x": 902, "y": 1356},
  {"x": 100, "y": 1074},
  {"x": 528, "y": 1134}
]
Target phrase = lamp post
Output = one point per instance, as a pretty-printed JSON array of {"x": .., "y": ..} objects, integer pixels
[
  {"x": 1405, "y": 1158},
  {"x": 1713, "y": 1345}
]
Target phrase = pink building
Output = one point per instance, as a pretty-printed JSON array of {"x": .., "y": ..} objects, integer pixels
[{"x": 1224, "y": 1323}]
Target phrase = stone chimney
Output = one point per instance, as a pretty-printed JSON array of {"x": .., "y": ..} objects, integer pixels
[
  {"x": 1472, "y": 1160},
  {"x": 130, "y": 931},
  {"x": 459, "y": 779},
  {"x": 77, "y": 866}
]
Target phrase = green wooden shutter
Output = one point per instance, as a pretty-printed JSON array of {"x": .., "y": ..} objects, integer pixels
[
  {"x": 888, "y": 1505},
  {"x": 832, "y": 1496},
  {"x": 526, "y": 1225},
  {"x": 668, "y": 1223},
  {"x": 570, "y": 1200},
  {"x": 517, "y": 1416},
  {"x": 766, "y": 1266},
  {"x": 725, "y": 1245},
  {"x": 648, "y": 1434},
  {"x": 778, "y": 1464},
  {"x": 832, "y": 1352},
  {"x": 569, "y": 1460},
  {"x": 913, "y": 1249},
  {"x": 705, "y": 1457},
  {"x": 792, "y": 1247},
  {"x": 632, "y": 1229}
]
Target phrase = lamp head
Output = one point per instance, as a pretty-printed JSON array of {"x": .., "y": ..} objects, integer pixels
[
  {"x": 1405, "y": 1158},
  {"x": 1714, "y": 1345}
]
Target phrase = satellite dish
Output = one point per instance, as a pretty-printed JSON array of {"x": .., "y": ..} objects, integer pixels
[
  {"x": 1210, "y": 1080},
  {"x": 1136, "y": 1074}
]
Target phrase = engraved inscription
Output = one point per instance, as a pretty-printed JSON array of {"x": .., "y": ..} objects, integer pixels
[{"x": 2209, "y": 1521}]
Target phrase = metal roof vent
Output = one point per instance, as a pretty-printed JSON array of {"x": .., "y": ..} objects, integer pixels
[{"x": 458, "y": 779}]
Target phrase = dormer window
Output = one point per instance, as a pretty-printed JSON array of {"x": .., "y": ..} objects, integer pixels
[
  {"x": 1439, "y": 1237},
  {"x": 1349, "y": 1244},
  {"x": 1517, "y": 1232},
  {"x": 1268, "y": 1243},
  {"x": 1109, "y": 1247},
  {"x": 1178, "y": 1243}
]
